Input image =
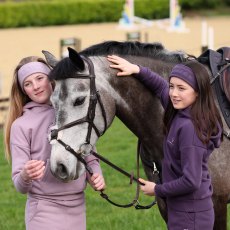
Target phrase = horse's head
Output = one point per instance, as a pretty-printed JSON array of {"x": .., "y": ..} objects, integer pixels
[{"x": 80, "y": 113}]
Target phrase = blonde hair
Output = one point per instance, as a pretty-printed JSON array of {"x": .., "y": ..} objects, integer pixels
[{"x": 17, "y": 100}]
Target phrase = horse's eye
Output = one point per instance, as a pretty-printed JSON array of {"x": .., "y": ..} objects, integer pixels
[{"x": 79, "y": 101}]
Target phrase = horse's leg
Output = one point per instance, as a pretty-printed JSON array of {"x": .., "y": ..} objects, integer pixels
[
  {"x": 160, "y": 202},
  {"x": 220, "y": 208},
  {"x": 162, "y": 208},
  {"x": 147, "y": 159}
]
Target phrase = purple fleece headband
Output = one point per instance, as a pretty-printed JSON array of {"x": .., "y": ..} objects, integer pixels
[
  {"x": 31, "y": 68},
  {"x": 184, "y": 73}
]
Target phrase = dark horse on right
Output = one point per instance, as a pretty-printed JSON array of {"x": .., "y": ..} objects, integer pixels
[{"x": 132, "y": 103}]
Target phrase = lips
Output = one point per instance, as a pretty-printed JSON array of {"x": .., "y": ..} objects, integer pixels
[
  {"x": 37, "y": 94},
  {"x": 175, "y": 101}
]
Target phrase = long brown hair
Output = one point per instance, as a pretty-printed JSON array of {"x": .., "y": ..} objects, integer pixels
[
  {"x": 204, "y": 112},
  {"x": 17, "y": 100}
]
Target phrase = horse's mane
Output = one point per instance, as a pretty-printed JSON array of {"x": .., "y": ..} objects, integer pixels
[
  {"x": 66, "y": 69},
  {"x": 152, "y": 50}
]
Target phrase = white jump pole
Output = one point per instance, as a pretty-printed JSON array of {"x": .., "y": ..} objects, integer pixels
[
  {"x": 130, "y": 9},
  {"x": 0, "y": 84},
  {"x": 131, "y": 2},
  {"x": 210, "y": 37},
  {"x": 172, "y": 12},
  {"x": 204, "y": 37}
]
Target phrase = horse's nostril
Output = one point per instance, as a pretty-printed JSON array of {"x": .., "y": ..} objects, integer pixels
[{"x": 62, "y": 171}]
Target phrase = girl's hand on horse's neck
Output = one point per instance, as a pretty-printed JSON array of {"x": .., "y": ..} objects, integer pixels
[{"x": 126, "y": 68}]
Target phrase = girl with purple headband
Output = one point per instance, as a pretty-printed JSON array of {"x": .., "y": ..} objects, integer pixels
[
  {"x": 50, "y": 202},
  {"x": 192, "y": 128}
]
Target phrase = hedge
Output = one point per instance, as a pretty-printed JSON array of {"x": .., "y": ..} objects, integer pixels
[
  {"x": 44, "y": 13},
  {"x": 202, "y": 4},
  {"x": 24, "y": 13},
  {"x": 198, "y": 4}
]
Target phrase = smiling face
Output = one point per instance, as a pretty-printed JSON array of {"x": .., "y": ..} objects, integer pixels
[
  {"x": 181, "y": 93},
  {"x": 38, "y": 88}
]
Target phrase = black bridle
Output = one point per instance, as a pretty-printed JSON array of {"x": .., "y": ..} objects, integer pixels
[{"x": 89, "y": 118}]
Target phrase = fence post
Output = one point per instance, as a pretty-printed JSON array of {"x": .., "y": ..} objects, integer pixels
[
  {"x": 3, "y": 110},
  {"x": 204, "y": 37},
  {"x": 133, "y": 36},
  {"x": 74, "y": 43},
  {"x": 0, "y": 84}
]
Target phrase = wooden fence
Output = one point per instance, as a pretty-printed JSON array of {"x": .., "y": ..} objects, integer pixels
[{"x": 3, "y": 110}]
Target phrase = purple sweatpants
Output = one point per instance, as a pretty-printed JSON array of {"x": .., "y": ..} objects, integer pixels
[
  {"x": 190, "y": 220},
  {"x": 43, "y": 214}
]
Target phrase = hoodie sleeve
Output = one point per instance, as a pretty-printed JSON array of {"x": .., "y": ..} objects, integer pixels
[
  {"x": 94, "y": 163},
  {"x": 155, "y": 83},
  {"x": 20, "y": 152}
]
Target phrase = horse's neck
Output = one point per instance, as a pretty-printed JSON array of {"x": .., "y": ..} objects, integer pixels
[{"x": 137, "y": 107}]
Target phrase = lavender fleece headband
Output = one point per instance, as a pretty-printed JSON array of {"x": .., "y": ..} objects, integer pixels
[
  {"x": 184, "y": 73},
  {"x": 31, "y": 68}
]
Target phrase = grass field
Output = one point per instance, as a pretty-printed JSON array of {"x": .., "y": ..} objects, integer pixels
[{"x": 119, "y": 146}]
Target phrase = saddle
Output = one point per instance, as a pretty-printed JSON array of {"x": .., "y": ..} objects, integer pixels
[{"x": 219, "y": 64}]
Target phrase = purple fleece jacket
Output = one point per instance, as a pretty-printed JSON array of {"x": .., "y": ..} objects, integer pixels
[
  {"x": 186, "y": 180},
  {"x": 29, "y": 140}
]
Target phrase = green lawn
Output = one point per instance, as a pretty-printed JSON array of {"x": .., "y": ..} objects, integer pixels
[{"x": 119, "y": 146}]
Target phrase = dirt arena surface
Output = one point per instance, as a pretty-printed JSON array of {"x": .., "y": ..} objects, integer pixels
[{"x": 18, "y": 43}]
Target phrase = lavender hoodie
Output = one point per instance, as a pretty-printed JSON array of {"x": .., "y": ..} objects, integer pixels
[
  {"x": 29, "y": 140},
  {"x": 186, "y": 180}
]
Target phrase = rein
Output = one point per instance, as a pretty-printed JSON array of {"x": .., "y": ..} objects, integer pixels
[
  {"x": 135, "y": 201},
  {"x": 89, "y": 118}
]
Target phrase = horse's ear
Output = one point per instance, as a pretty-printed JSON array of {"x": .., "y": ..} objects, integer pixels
[
  {"x": 51, "y": 60},
  {"x": 76, "y": 58}
]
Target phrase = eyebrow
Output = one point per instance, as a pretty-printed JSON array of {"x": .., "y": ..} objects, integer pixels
[{"x": 171, "y": 84}]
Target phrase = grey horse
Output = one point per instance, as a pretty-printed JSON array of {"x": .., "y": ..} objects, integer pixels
[{"x": 130, "y": 101}]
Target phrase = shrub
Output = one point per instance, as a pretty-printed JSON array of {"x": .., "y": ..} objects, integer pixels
[
  {"x": 58, "y": 12},
  {"x": 198, "y": 4}
]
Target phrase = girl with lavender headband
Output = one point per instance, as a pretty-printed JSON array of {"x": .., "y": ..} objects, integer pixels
[
  {"x": 192, "y": 128},
  {"x": 49, "y": 201}
]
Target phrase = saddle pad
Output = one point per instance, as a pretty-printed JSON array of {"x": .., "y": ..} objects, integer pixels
[
  {"x": 225, "y": 76},
  {"x": 221, "y": 83},
  {"x": 226, "y": 82}
]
